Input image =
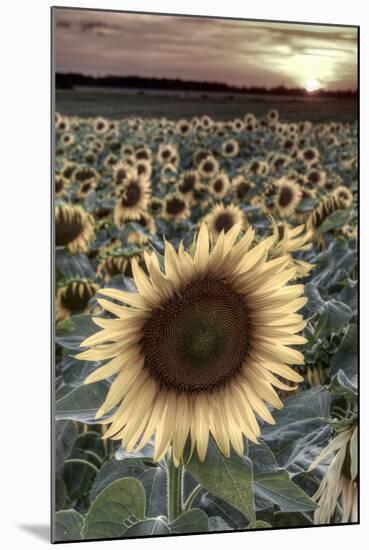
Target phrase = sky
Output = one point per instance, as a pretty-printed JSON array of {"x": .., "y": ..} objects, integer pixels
[{"x": 241, "y": 53}]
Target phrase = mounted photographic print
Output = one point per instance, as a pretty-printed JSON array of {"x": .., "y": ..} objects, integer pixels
[{"x": 205, "y": 229}]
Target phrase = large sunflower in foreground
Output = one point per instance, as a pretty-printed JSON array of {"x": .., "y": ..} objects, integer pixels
[{"x": 197, "y": 349}]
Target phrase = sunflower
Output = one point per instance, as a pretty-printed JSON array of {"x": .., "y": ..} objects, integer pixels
[
  {"x": 219, "y": 185},
  {"x": 74, "y": 298},
  {"x": 67, "y": 139},
  {"x": 343, "y": 196},
  {"x": 116, "y": 264},
  {"x": 230, "y": 148},
  {"x": 287, "y": 197},
  {"x": 73, "y": 228},
  {"x": 100, "y": 125},
  {"x": 241, "y": 186},
  {"x": 166, "y": 152},
  {"x": 223, "y": 218},
  {"x": 273, "y": 116},
  {"x": 68, "y": 169},
  {"x": 61, "y": 184},
  {"x": 86, "y": 188},
  {"x": 188, "y": 183},
  {"x": 85, "y": 173},
  {"x": 143, "y": 168},
  {"x": 316, "y": 177},
  {"x": 133, "y": 198},
  {"x": 121, "y": 172},
  {"x": 110, "y": 161},
  {"x": 155, "y": 206},
  {"x": 183, "y": 127},
  {"x": 326, "y": 206},
  {"x": 175, "y": 207},
  {"x": 258, "y": 168},
  {"x": 143, "y": 153},
  {"x": 127, "y": 150},
  {"x": 340, "y": 480},
  {"x": 238, "y": 125},
  {"x": 197, "y": 351},
  {"x": 208, "y": 167},
  {"x": 309, "y": 155}
]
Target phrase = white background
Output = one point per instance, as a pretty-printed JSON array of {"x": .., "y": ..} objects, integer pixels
[{"x": 25, "y": 259}]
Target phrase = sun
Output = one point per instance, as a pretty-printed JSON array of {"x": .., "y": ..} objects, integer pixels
[{"x": 312, "y": 85}]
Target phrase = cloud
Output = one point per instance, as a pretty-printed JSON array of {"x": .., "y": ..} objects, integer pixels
[{"x": 233, "y": 51}]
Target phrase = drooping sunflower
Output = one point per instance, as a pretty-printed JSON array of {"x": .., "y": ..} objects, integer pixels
[
  {"x": 73, "y": 228},
  {"x": 115, "y": 263},
  {"x": 219, "y": 185},
  {"x": 287, "y": 197},
  {"x": 175, "y": 207},
  {"x": 340, "y": 483},
  {"x": 133, "y": 198},
  {"x": 196, "y": 352},
  {"x": 73, "y": 298},
  {"x": 222, "y": 218}
]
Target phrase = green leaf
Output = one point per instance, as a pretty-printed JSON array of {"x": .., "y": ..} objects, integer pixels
[
  {"x": 259, "y": 524},
  {"x": 82, "y": 403},
  {"x": 115, "y": 509},
  {"x": 61, "y": 494},
  {"x": 68, "y": 525},
  {"x": 71, "y": 332},
  {"x": 65, "y": 435},
  {"x": 217, "y": 523},
  {"x": 229, "y": 478},
  {"x": 342, "y": 386},
  {"x": 148, "y": 528},
  {"x": 346, "y": 358},
  {"x": 192, "y": 521},
  {"x": 335, "y": 220},
  {"x": 280, "y": 490}
]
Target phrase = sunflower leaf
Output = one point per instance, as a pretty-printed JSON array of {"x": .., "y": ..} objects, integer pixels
[
  {"x": 67, "y": 526},
  {"x": 148, "y": 528},
  {"x": 192, "y": 521},
  {"x": 71, "y": 332},
  {"x": 115, "y": 510},
  {"x": 82, "y": 403},
  {"x": 228, "y": 478},
  {"x": 278, "y": 489}
]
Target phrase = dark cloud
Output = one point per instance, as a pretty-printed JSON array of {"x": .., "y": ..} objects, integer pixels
[{"x": 233, "y": 51}]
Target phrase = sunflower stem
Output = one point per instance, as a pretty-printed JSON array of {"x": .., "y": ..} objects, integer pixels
[{"x": 175, "y": 489}]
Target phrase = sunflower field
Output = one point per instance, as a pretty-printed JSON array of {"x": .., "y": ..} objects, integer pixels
[{"x": 206, "y": 325}]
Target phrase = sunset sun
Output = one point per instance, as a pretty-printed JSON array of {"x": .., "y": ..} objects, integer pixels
[{"x": 312, "y": 85}]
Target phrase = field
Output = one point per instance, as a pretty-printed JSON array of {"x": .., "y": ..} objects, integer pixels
[
  {"x": 206, "y": 315},
  {"x": 117, "y": 104}
]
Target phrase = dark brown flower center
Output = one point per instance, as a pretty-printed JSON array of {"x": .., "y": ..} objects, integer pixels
[
  {"x": 309, "y": 154},
  {"x": 208, "y": 166},
  {"x": 197, "y": 340},
  {"x": 218, "y": 185},
  {"x": 67, "y": 229},
  {"x": 188, "y": 183},
  {"x": 132, "y": 194},
  {"x": 242, "y": 188},
  {"x": 224, "y": 221},
  {"x": 175, "y": 206},
  {"x": 285, "y": 196},
  {"x": 314, "y": 176}
]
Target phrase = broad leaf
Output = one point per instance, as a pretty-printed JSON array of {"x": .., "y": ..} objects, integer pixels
[
  {"x": 82, "y": 403},
  {"x": 192, "y": 521},
  {"x": 68, "y": 525},
  {"x": 115, "y": 509},
  {"x": 148, "y": 528},
  {"x": 229, "y": 478}
]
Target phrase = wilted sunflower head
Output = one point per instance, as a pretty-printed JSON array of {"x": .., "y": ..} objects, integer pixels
[
  {"x": 230, "y": 148},
  {"x": 219, "y": 185},
  {"x": 175, "y": 207},
  {"x": 196, "y": 352},
  {"x": 343, "y": 196},
  {"x": 73, "y": 228},
  {"x": 133, "y": 198},
  {"x": 73, "y": 298},
  {"x": 223, "y": 218},
  {"x": 287, "y": 197},
  {"x": 116, "y": 263},
  {"x": 208, "y": 167}
]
